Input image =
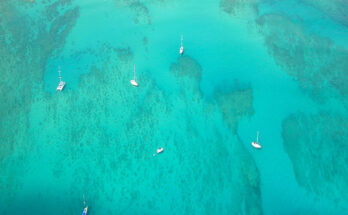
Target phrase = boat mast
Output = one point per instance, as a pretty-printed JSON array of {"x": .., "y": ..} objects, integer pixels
[
  {"x": 181, "y": 40},
  {"x": 134, "y": 74},
  {"x": 60, "y": 77},
  {"x": 257, "y": 138}
]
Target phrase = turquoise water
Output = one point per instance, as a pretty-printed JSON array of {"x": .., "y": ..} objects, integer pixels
[{"x": 278, "y": 67}]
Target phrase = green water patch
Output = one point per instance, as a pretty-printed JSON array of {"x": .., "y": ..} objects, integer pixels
[
  {"x": 74, "y": 126},
  {"x": 316, "y": 63},
  {"x": 335, "y": 9},
  {"x": 316, "y": 146},
  {"x": 140, "y": 10},
  {"x": 99, "y": 140},
  {"x": 25, "y": 45},
  {"x": 235, "y": 7},
  {"x": 187, "y": 66},
  {"x": 187, "y": 74},
  {"x": 124, "y": 54},
  {"x": 21, "y": 64},
  {"x": 234, "y": 105}
]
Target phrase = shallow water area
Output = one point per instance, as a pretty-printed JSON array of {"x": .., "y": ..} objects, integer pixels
[{"x": 248, "y": 66}]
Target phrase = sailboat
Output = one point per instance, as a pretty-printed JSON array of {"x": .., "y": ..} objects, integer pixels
[
  {"x": 134, "y": 82},
  {"x": 61, "y": 84},
  {"x": 181, "y": 47},
  {"x": 256, "y": 144},
  {"x": 84, "y": 212},
  {"x": 158, "y": 151}
]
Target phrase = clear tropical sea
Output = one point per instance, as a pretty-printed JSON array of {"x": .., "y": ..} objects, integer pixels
[{"x": 277, "y": 67}]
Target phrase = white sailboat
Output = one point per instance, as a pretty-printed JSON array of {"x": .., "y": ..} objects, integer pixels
[
  {"x": 256, "y": 144},
  {"x": 181, "y": 47},
  {"x": 158, "y": 151},
  {"x": 134, "y": 82},
  {"x": 61, "y": 84},
  {"x": 84, "y": 212}
]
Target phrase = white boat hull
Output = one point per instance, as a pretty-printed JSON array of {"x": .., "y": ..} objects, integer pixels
[
  {"x": 85, "y": 211},
  {"x": 159, "y": 150},
  {"x": 61, "y": 86},
  {"x": 181, "y": 50},
  {"x": 134, "y": 83},
  {"x": 256, "y": 145}
]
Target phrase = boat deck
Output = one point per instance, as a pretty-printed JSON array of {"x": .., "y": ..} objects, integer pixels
[{"x": 61, "y": 86}]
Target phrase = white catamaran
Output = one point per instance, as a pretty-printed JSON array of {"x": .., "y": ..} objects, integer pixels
[
  {"x": 61, "y": 84},
  {"x": 134, "y": 81},
  {"x": 181, "y": 46},
  {"x": 256, "y": 144}
]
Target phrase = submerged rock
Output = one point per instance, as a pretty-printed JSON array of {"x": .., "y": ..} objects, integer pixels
[
  {"x": 140, "y": 10},
  {"x": 27, "y": 40},
  {"x": 235, "y": 105},
  {"x": 187, "y": 66},
  {"x": 317, "y": 146},
  {"x": 316, "y": 63},
  {"x": 336, "y": 9},
  {"x": 237, "y": 6}
]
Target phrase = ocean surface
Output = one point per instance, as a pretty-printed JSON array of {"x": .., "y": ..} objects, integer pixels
[{"x": 279, "y": 67}]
